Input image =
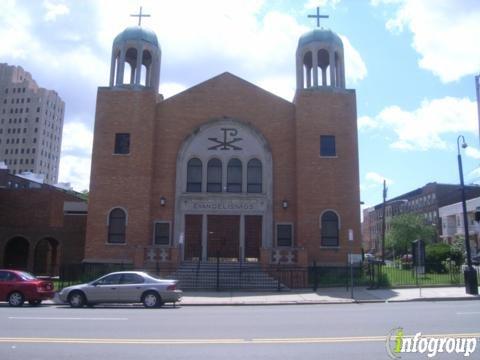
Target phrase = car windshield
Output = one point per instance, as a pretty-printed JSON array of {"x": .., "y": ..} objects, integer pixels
[{"x": 26, "y": 276}]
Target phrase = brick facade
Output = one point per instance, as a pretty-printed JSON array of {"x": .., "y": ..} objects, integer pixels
[
  {"x": 303, "y": 184},
  {"x": 37, "y": 215}
]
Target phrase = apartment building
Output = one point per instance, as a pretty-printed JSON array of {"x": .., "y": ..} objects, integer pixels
[{"x": 31, "y": 124}]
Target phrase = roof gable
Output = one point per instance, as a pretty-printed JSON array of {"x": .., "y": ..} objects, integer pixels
[{"x": 227, "y": 82}]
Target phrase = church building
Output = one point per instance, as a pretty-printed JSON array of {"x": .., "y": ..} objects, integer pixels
[{"x": 224, "y": 170}]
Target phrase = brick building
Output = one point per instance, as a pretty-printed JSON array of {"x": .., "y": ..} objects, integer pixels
[
  {"x": 425, "y": 201},
  {"x": 41, "y": 226},
  {"x": 224, "y": 169}
]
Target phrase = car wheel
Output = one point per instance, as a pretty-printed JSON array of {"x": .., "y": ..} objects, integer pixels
[
  {"x": 76, "y": 299},
  {"x": 151, "y": 300},
  {"x": 16, "y": 299},
  {"x": 35, "y": 302}
]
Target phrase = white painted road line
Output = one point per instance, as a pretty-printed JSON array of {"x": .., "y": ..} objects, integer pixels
[
  {"x": 469, "y": 313},
  {"x": 65, "y": 318},
  {"x": 221, "y": 341}
]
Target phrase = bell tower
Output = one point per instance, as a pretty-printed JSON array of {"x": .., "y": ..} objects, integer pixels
[
  {"x": 326, "y": 150},
  {"x": 136, "y": 57},
  {"x": 319, "y": 59},
  {"x": 122, "y": 154}
]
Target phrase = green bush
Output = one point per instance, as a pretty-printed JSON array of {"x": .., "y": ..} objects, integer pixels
[{"x": 436, "y": 256}]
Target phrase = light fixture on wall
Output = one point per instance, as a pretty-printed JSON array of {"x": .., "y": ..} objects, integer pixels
[
  {"x": 284, "y": 204},
  {"x": 163, "y": 201}
]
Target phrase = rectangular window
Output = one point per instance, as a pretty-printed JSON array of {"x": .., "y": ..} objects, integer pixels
[
  {"x": 327, "y": 145},
  {"x": 284, "y": 235},
  {"x": 122, "y": 144},
  {"x": 162, "y": 233}
]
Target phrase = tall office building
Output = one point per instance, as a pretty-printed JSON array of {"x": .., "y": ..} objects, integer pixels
[{"x": 31, "y": 123}]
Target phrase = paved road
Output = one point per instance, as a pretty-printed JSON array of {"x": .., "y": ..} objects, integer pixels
[{"x": 349, "y": 331}]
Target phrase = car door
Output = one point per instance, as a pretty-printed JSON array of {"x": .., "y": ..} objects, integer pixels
[
  {"x": 131, "y": 287},
  {"x": 3, "y": 285},
  {"x": 8, "y": 283},
  {"x": 105, "y": 289}
]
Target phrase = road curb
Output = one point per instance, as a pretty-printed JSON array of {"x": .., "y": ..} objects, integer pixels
[
  {"x": 332, "y": 302},
  {"x": 373, "y": 301}
]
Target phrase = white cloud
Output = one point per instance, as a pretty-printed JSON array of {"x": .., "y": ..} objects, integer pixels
[
  {"x": 281, "y": 85},
  {"x": 171, "y": 88},
  {"x": 77, "y": 138},
  {"x": 76, "y": 171},
  {"x": 15, "y": 31},
  {"x": 445, "y": 34},
  {"x": 312, "y": 4},
  {"x": 355, "y": 68},
  {"x": 54, "y": 10},
  {"x": 374, "y": 182},
  {"x": 367, "y": 123},
  {"x": 473, "y": 152},
  {"x": 422, "y": 128},
  {"x": 75, "y": 161},
  {"x": 377, "y": 179}
]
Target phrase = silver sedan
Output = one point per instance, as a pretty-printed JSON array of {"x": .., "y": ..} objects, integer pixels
[{"x": 123, "y": 287}]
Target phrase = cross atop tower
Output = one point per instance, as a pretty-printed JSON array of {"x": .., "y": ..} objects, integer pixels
[
  {"x": 317, "y": 16},
  {"x": 140, "y": 15}
]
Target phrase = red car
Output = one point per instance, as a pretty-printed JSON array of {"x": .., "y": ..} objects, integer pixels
[{"x": 16, "y": 287}]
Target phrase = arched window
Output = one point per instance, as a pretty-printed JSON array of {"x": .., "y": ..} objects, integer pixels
[
  {"x": 194, "y": 175},
  {"x": 254, "y": 176},
  {"x": 214, "y": 176},
  {"x": 131, "y": 58},
  {"x": 234, "y": 176},
  {"x": 330, "y": 229},
  {"x": 117, "y": 221}
]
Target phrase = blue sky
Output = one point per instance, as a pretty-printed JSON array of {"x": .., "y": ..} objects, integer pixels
[{"x": 411, "y": 62}]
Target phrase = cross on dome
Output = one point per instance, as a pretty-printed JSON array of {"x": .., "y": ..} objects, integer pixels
[
  {"x": 317, "y": 16},
  {"x": 140, "y": 15}
]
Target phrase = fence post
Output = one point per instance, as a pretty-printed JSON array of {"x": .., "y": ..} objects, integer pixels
[
  {"x": 278, "y": 279},
  {"x": 315, "y": 279},
  {"x": 218, "y": 271},
  {"x": 346, "y": 274}
]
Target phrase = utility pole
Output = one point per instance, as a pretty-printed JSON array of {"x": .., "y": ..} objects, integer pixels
[{"x": 383, "y": 218}]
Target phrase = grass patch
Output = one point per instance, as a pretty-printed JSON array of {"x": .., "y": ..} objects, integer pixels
[{"x": 395, "y": 277}]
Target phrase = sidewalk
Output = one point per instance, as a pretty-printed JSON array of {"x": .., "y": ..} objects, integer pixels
[
  {"x": 335, "y": 295},
  {"x": 324, "y": 296}
]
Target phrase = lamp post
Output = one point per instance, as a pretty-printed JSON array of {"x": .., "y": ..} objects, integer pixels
[{"x": 470, "y": 274}]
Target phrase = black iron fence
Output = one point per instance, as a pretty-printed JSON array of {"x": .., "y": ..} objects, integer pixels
[
  {"x": 204, "y": 276},
  {"x": 432, "y": 274},
  {"x": 70, "y": 274}
]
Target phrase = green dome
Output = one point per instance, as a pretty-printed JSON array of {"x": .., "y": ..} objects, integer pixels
[
  {"x": 137, "y": 33},
  {"x": 324, "y": 35}
]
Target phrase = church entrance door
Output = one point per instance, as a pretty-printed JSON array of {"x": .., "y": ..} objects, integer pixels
[
  {"x": 193, "y": 237},
  {"x": 223, "y": 237},
  {"x": 253, "y": 237}
]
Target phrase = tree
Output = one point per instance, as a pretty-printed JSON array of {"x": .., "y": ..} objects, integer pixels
[
  {"x": 84, "y": 195},
  {"x": 404, "y": 229}
]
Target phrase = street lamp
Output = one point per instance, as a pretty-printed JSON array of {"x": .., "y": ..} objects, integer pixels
[{"x": 470, "y": 274}]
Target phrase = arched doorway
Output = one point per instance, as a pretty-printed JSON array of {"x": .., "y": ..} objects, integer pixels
[
  {"x": 46, "y": 257},
  {"x": 16, "y": 253},
  {"x": 224, "y": 193}
]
